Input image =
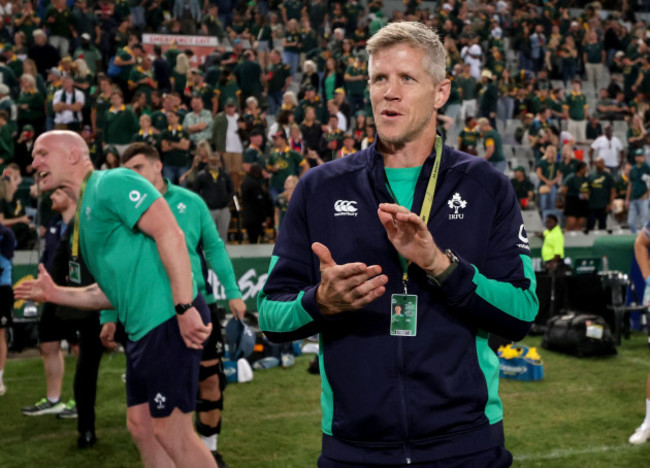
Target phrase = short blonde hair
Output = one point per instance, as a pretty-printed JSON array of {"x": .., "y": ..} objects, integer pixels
[
  {"x": 309, "y": 65},
  {"x": 29, "y": 79},
  {"x": 291, "y": 96},
  {"x": 416, "y": 35}
]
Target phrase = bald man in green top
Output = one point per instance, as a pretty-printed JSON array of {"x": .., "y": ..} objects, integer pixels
[{"x": 131, "y": 243}]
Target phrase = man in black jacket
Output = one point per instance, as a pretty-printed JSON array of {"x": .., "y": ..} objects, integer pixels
[
  {"x": 81, "y": 327},
  {"x": 216, "y": 188},
  {"x": 43, "y": 53}
]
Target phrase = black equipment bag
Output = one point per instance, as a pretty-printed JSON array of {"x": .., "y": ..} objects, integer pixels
[{"x": 579, "y": 335}]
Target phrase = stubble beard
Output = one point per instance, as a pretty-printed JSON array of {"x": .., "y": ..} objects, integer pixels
[{"x": 399, "y": 141}]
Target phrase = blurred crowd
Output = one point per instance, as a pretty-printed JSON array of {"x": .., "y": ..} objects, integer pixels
[{"x": 286, "y": 89}]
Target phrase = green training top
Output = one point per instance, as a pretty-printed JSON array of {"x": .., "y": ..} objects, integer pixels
[
  {"x": 401, "y": 183},
  {"x": 124, "y": 261},
  {"x": 193, "y": 217}
]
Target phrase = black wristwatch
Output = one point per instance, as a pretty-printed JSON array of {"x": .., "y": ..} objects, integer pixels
[
  {"x": 182, "y": 308},
  {"x": 439, "y": 279}
]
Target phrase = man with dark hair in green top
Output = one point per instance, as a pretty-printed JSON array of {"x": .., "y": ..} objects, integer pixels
[
  {"x": 204, "y": 245},
  {"x": 493, "y": 146},
  {"x": 132, "y": 245}
]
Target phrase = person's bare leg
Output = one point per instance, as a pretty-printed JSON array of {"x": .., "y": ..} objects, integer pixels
[
  {"x": 176, "y": 434},
  {"x": 54, "y": 368},
  {"x": 139, "y": 423}
]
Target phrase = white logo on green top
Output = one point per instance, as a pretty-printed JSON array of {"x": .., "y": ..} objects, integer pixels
[
  {"x": 181, "y": 207},
  {"x": 134, "y": 196}
]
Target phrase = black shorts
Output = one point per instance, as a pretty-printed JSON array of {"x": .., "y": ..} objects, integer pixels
[
  {"x": 53, "y": 328},
  {"x": 6, "y": 306},
  {"x": 214, "y": 346},
  {"x": 162, "y": 371},
  {"x": 576, "y": 207}
]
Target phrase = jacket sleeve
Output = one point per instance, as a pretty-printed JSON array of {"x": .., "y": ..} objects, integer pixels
[
  {"x": 286, "y": 304},
  {"x": 499, "y": 297}
]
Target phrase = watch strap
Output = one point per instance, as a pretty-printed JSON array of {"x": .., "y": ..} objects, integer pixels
[
  {"x": 182, "y": 308},
  {"x": 453, "y": 264}
]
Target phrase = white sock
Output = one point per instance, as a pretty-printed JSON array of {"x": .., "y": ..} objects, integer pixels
[
  {"x": 2, "y": 371},
  {"x": 210, "y": 442},
  {"x": 646, "y": 421},
  {"x": 53, "y": 400}
]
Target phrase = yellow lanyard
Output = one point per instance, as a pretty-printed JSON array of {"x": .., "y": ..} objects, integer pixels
[
  {"x": 425, "y": 211},
  {"x": 427, "y": 203},
  {"x": 77, "y": 215}
]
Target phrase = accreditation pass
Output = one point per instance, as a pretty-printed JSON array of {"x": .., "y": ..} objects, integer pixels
[{"x": 403, "y": 314}]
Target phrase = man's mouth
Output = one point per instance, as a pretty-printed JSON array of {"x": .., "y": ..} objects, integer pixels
[{"x": 390, "y": 113}]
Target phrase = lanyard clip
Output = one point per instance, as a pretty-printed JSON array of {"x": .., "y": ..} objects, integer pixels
[{"x": 405, "y": 289}]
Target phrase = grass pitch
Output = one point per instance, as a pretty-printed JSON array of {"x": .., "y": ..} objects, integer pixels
[{"x": 581, "y": 415}]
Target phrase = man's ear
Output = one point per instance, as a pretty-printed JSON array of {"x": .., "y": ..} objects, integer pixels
[
  {"x": 74, "y": 155},
  {"x": 442, "y": 93}
]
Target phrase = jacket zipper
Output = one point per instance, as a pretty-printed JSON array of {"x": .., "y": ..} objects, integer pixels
[{"x": 402, "y": 388}]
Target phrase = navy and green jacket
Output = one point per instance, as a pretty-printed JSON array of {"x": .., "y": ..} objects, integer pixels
[{"x": 396, "y": 400}]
